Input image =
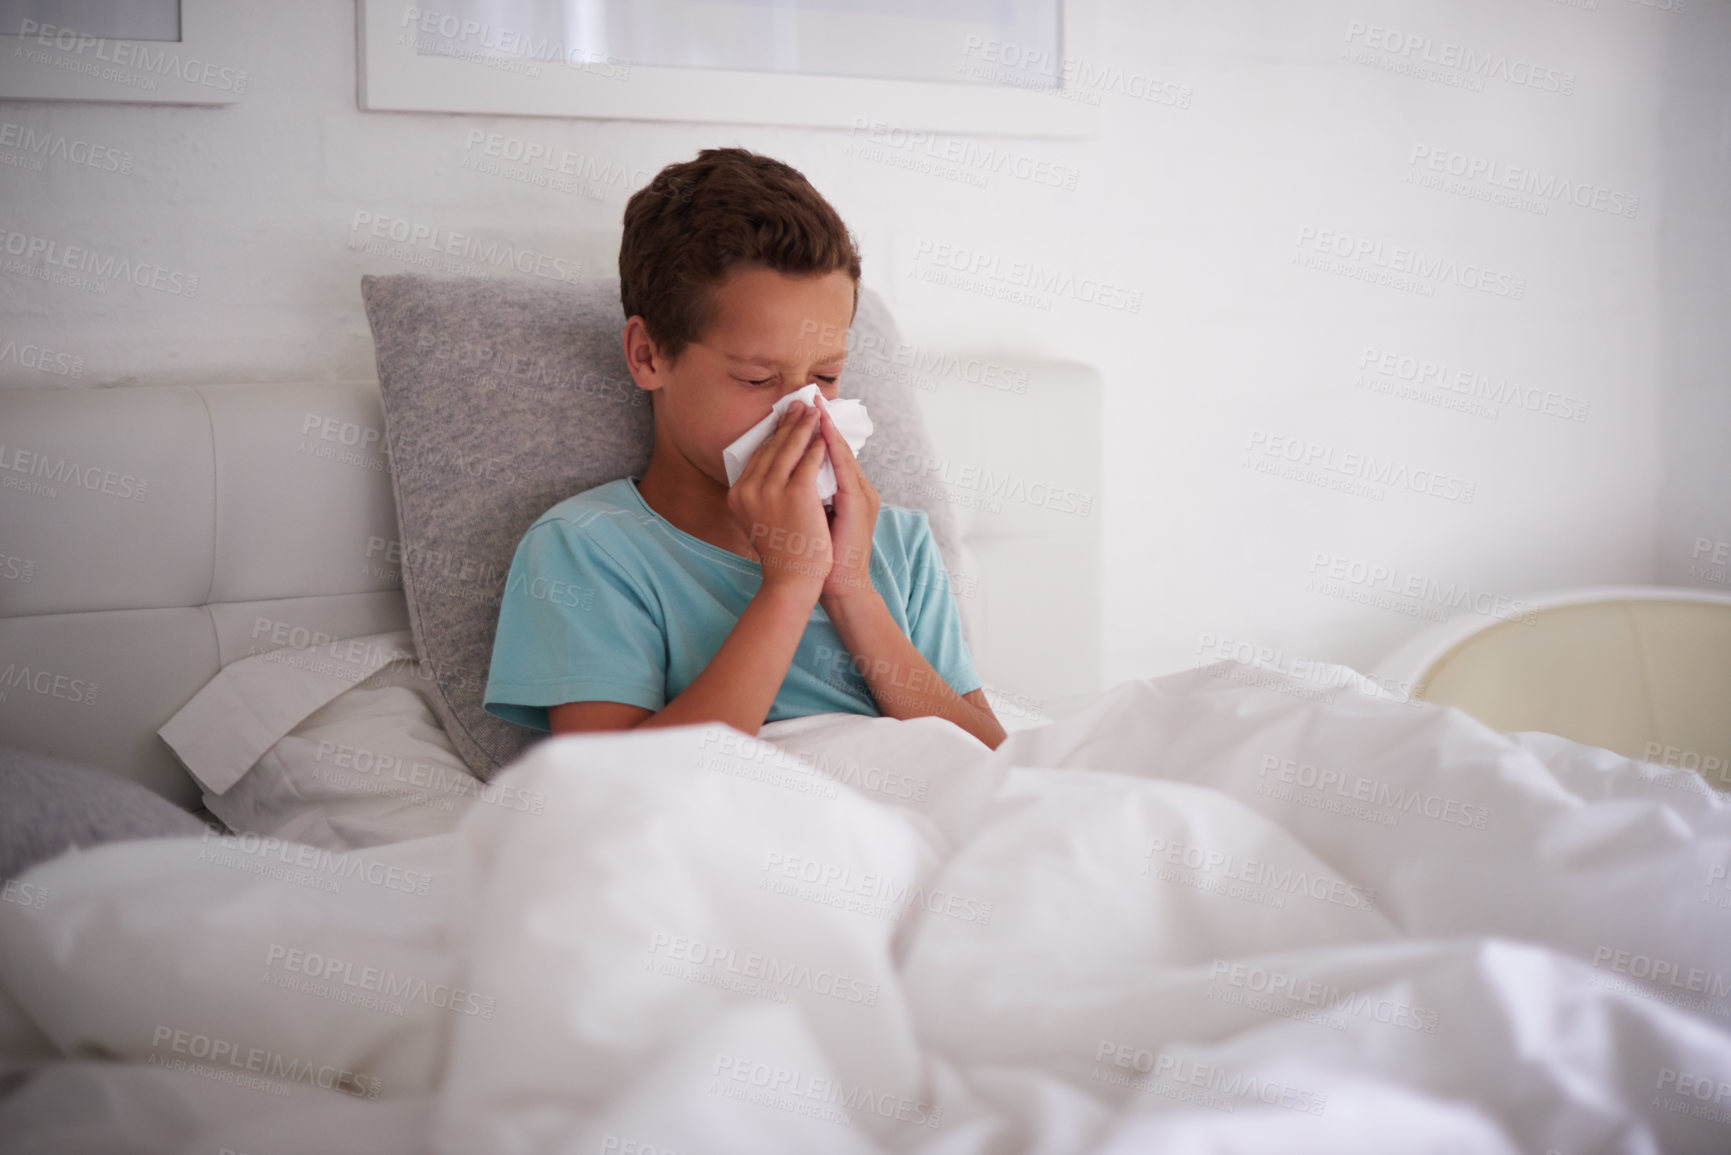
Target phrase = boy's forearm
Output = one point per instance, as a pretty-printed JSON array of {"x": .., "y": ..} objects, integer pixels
[
  {"x": 740, "y": 683},
  {"x": 903, "y": 682}
]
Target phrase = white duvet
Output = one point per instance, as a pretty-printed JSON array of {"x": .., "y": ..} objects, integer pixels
[{"x": 1197, "y": 916}]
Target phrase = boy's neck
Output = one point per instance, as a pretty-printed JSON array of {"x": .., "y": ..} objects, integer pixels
[{"x": 692, "y": 501}]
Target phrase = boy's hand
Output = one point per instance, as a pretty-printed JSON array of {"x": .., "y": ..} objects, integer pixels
[
  {"x": 774, "y": 500},
  {"x": 851, "y": 524}
]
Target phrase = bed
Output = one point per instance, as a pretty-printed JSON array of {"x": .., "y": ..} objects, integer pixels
[{"x": 1222, "y": 909}]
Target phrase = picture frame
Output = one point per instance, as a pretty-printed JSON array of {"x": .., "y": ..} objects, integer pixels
[
  {"x": 45, "y": 61},
  {"x": 396, "y": 77}
]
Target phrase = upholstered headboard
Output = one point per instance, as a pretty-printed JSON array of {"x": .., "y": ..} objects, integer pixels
[{"x": 151, "y": 535}]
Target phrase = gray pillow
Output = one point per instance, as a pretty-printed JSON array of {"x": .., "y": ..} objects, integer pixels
[
  {"x": 503, "y": 397},
  {"x": 48, "y": 804}
]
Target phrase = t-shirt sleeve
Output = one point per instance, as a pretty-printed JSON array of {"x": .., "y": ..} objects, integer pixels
[
  {"x": 934, "y": 623},
  {"x": 574, "y": 626}
]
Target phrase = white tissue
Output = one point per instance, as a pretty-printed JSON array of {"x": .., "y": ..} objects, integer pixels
[{"x": 848, "y": 414}]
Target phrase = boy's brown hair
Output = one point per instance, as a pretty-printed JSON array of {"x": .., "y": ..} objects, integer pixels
[{"x": 687, "y": 228}]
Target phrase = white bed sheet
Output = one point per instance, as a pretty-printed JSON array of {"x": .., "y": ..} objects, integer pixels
[{"x": 1199, "y": 915}]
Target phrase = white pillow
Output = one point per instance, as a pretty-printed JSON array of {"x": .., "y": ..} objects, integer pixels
[{"x": 335, "y": 746}]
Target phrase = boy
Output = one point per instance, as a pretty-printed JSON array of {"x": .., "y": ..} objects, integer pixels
[{"x": 674, "y": 599}]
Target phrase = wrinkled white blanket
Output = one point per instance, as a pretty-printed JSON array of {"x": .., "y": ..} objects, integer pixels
[{"x": 1197, "y": 916}]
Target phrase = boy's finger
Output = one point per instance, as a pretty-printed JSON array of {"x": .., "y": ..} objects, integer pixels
[
  {"x": 803, "y": 479},
  {"x": 788, "y": 455},
  {"x": 764, "y": 455},
  {"x": 812, "y": 461},
  {"x": 841, "y": 457}
]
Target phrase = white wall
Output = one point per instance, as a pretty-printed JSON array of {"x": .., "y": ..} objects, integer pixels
[
  {"x": 1266, "y": 130},
  {"x": 1695, "y": 304}
]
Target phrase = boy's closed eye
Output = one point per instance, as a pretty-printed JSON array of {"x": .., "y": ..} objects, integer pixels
[{"x": 771, "y": 380}]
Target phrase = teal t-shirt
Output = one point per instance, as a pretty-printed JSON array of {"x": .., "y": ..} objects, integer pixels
[{"x": 609, "y": 601}]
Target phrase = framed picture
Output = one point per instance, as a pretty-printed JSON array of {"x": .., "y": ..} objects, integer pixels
[
  {"x": 1010, "y": 67},
  {"x": 131, "y": 51}
]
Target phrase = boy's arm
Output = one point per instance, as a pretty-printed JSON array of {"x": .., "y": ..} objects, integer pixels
[
  {"x": 901, "y": 679},
  {"x": 776, "y": 491},
  {"x": 903, "y": 682},
  {"x": 737, "y": 687}
]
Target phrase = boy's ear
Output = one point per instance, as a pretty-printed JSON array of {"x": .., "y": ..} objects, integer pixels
[{"x": 642, "y": 358}]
